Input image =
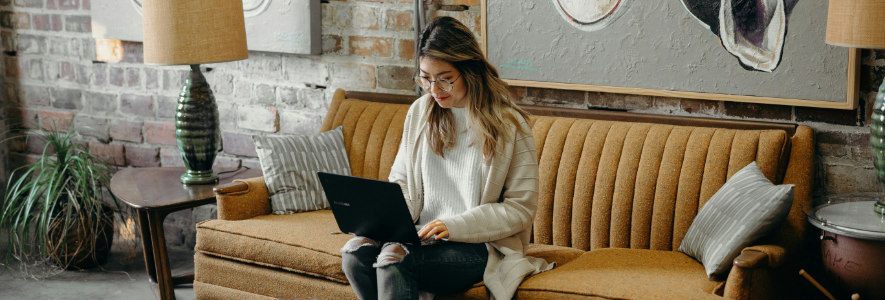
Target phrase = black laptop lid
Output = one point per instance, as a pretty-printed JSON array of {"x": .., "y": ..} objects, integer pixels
[{"x": 370, "y": 208}]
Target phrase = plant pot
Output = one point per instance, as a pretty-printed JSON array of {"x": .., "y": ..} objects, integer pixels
[{"x": 85, "y": 245}]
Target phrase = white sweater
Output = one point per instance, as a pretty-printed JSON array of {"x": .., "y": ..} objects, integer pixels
[
  {"x": 508, "y": 200},
  {"x": 451, "y": 183}
]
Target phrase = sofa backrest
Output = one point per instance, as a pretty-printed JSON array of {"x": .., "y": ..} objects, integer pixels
[{"x": 607, "y": 183}]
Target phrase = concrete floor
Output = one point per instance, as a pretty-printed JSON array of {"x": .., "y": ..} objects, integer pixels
[{"x": 124, "y": 277}]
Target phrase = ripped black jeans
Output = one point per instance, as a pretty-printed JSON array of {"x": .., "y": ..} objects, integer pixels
[{"x": 395, "y": 271}]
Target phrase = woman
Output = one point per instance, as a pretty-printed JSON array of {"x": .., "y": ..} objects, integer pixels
[{"x": 468, "y": 168}]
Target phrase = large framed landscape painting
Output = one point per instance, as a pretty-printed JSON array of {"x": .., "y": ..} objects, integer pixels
[{"x": 757, "y": 51}]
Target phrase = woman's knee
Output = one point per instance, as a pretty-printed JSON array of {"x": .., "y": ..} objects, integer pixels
[{"x": 391, "y": 253}]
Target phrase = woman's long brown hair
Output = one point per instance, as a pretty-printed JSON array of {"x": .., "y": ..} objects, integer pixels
[{"x": 489, "y": 103}]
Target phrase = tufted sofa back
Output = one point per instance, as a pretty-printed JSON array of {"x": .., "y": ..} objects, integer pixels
[{"x": 610, "y": 183}]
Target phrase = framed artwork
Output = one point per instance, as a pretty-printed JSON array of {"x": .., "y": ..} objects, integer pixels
[
  {"x": 287, "y": 26},
  {"x": 756, "y": 51}
]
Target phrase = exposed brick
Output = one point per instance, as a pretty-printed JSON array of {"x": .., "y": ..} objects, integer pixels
[
  {"x": 258, "y": 118},
  {"x": 137, "y": 105},
  {"x": 26, "y": 118},
  {"x": 94, "y": 127},
  {"x": 67, "y": 98},
  {"x": 243, "y": 89},
  {"x": 173, "y": 79},
  {"x": 160, "y": 133},
  {"x": 57, "y": 24},
  {"x": 399, "y": 20},
  {"x": 78, "y": 24},
  {"x": 83, "y": 74},
  {"x": 151, "y": 79},
  {"x": 556, "y": 97},
  {"x": 7, "y": 42},
  {"x": 100, "y": 102},
  {"x": 460, "y": 2},
  {"x": 370, "y": 46},
  {"x": 133, "y": 52},
  {"x": 166, "y": 106},
  {"x": 113, "y": 153},
  {"x": 365, "y": 17},
  {"x": 34, "y": 95},
  {"x": 832, "y": 116},
  {"x": 34, "y": 68},
  {"x": 139, "y": 156},
  {"x": 67, "y": 4},
  {"x": 67, "y": 72},
  {"x": 353, "y": 76},
  {"x": 332, "y": 44},
  {"x": 100, "y": 74},
  {"x": 667, "y": 105},
  {"x": 267, "y": 65},
  {"x": 29, "y": 3},
  {"x": 108, "y": 50},
  {"x": 758, "y": 111},
  {"x": 13, "y": 69},
  {"x": 238, "y": 144},
  {"x": 58, "y": 46},
  {"x": 303, "y": 98},
  {"x": 264, "y": 94},
  {"x": 301, "y": 122},
  {"x": 21, "y": 20},
  {"x": 60, "y": 120},
  {"x": 605, "y": 101},
  {"x": 222, "y": 83},
  {"x": 37, "y": 146},
  {"x": 407, "y": 49},
  {"x": 133, "y": 77},
  {"x": 337, "y": 16},
  {"x": 170, "y": 157},
  {"x": 86, "y": 5},
  {"x": 7, "y": 20},
  {"x": 41, "y": 22},
  {"x": 227, "y": 115},
  {"x": 396, "y": 77},
  {"x": 117, "y": 76},
  {"x": 31, "y": 44},
  {"x": 123, "y": 130},
  {"x": 294, "y": 67}
]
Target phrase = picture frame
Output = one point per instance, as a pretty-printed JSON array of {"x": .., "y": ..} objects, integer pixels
[{"x": 533, "y": 46}]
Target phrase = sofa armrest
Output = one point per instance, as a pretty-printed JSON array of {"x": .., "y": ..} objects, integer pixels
[
  {"x": 761, "y": 256},
  {"x": 754, "y": 273},
  {"x": 242, "y": 199}
]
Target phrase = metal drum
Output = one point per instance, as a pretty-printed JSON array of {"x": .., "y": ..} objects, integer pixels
[{"x": 853, "y": 246}]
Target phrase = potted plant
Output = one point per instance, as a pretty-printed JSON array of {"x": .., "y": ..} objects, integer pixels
[{"x": 55, "y": 208}]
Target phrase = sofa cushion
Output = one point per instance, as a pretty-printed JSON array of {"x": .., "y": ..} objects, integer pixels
[
  {"x": 290, "y": 164},
  {"x": 746, "y": 208},
  {"x": 300, "y": 243},
  {"x": 621, "y": 273}
]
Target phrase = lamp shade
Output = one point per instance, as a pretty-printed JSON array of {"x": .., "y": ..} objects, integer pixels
[
  {"x": 856, "y": 23},
  {"x": 187, "y": 32}
]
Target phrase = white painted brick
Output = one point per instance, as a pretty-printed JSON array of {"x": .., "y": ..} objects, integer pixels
[{"x": 258, "y": 118}]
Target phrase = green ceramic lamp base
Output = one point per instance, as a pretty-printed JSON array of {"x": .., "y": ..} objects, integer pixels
[
  {"x": 199, "y": 177},
  {"x": 196, "y": 129}
]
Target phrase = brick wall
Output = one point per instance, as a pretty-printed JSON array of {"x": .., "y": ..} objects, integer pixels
[{"x": 51, "y": 74}]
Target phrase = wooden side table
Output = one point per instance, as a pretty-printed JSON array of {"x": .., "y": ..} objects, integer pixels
[{"x": 154, "y": 193}]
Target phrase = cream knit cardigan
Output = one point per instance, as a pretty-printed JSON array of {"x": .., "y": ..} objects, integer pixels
[{"x": 508, "y": 201}]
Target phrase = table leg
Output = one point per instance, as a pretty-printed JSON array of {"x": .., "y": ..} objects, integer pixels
[
  {"x": 161, "y": 257},
  {"x": 145, "y": 228}
]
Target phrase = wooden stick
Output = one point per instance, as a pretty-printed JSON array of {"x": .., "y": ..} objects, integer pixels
[{"x": 817, "y": 285}]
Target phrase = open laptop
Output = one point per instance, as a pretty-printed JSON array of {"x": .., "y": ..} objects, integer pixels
[{"x": 371, "y": 208}]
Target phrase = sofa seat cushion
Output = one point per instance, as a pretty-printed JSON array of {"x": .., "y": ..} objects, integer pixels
[
  {"x": 552, "y": 253},
  {"x": 621, "y": 273},
  {"x": 300, "y": 243}
]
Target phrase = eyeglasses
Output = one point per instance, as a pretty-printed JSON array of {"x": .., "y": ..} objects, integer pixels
[{"x": 443, "y": 84}]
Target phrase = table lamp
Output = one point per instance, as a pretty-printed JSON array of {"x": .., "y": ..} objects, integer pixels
[
  {"x": 861, "y": 24},
  {"x": 194, "y": 32}
]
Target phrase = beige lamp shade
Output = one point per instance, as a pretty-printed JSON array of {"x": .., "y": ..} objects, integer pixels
[
  {"x": 856, "y": 23},
  {"x": 187, "y": 32}
]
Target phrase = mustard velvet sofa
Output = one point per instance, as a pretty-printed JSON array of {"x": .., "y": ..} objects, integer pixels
[{"x": 618, "y": 192}]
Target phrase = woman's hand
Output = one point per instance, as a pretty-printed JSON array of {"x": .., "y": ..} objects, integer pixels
[{"x": 435, "y": 227}]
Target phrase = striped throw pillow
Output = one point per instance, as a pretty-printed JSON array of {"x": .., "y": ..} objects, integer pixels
[
  {"x": 746, "y": 208},
  {"x": 290, "y": 164}
]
